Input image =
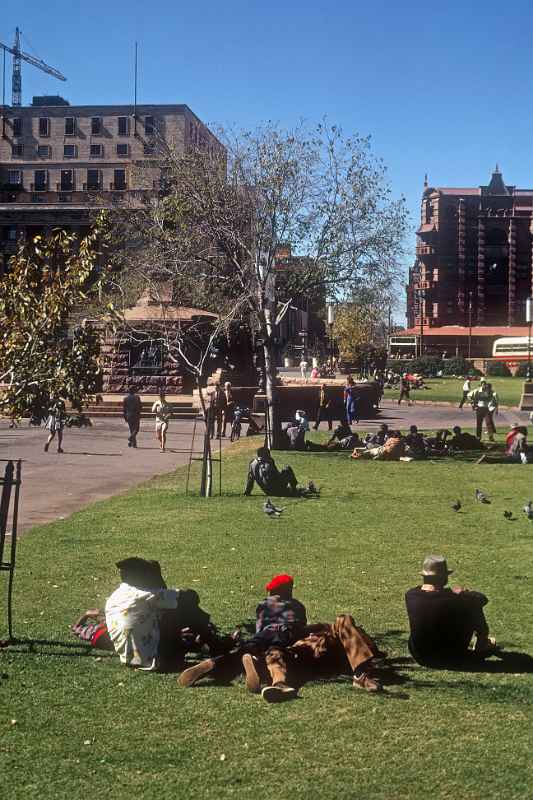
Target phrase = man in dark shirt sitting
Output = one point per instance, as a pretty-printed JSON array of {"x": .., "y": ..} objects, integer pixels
[
  {"x": 464, "y": 441},
  {"x": 378, "y": 438},
  {"x": 278, "y": 483},
  {"x": 443, "y": 620}
]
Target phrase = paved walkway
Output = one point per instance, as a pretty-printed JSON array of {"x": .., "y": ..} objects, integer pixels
[{"x": 97, "y": 463}]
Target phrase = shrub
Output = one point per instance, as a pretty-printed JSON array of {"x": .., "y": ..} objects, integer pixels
[{"x": 497, "y": 369}]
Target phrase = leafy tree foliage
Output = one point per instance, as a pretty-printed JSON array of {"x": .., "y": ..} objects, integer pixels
[{"x": 42, "y": 354}]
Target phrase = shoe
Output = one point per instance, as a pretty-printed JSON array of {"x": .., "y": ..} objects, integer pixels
[
  {"x": 252, "y": 680},
  {"x": 46, "y": 447},
  {"x": 60, "y": 450},
  {"x": 189, "y": 676},
  {"x": 278, "y": 693},
  {"x": 487, "y": 647},
  {"x": 366, "y": 682}
]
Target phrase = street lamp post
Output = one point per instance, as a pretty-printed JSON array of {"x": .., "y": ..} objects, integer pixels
[
  {"x": 470, "y": 324},
  {"x": 528, "y": 320},
  {"x": 331, "y": 320}
]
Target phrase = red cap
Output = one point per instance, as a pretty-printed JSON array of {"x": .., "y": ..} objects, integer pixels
[{"x": 279, "y": 580}]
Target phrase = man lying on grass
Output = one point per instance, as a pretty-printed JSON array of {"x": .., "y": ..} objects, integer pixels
[
  {"x": 274, "y": 482},
  {"x": 284, "y": 645},
  {"x": 443, "y": 621},
  {"x": 149, "y": 626}
]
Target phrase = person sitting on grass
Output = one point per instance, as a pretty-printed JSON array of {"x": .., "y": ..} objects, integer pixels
[
  {"x": 392, "y": 450},
  {"x": 378, "y": 438},
  {"x": 438, "y": 445},
  {"x": 516, "y": 447},
  {"x": 342, "y": 438},
  {"x": 285, "y": 644},
  {"x": 272, "y": 481},
  {"x": 443, "y": 621},
  {"x": 462, "y": 441},
  {"x": 415, "y": 443},
  {"x": 149, "y": 626}
]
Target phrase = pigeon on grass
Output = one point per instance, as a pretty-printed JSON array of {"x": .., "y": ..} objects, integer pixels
[
  {"x": 481, "y": 497},
  {"x": 457, "y": 505},
  {"x": 508, "y": 514},
  {"x": 528, "y": 510},
  {"x": 270, "y": 509}
]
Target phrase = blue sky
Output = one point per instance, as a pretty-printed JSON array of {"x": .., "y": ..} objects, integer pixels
[{"x": 444, "y": 91}]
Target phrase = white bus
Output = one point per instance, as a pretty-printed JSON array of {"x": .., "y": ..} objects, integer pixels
[{"x": 511, "y": 348}]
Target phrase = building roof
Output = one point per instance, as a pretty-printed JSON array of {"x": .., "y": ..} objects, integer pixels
[{"x": 462, "y": 330}]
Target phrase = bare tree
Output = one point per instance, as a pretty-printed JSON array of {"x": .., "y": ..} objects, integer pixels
[{"x": 216, "y": 227}]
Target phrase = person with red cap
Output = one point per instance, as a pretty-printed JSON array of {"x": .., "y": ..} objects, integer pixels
[{"x": 284, "y": 641}]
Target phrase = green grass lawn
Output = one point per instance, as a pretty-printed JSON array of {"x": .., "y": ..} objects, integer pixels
[
  {"x": 509, "y": 390},
  {"x": 85, "y": 726}
]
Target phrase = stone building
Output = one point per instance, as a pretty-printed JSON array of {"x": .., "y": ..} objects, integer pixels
[
  {"x": 474, "y": 264},
  {"x": 59, "y": 162}
]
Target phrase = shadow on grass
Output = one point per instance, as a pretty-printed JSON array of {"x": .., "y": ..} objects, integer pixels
[{"x": 44, "y": 647}]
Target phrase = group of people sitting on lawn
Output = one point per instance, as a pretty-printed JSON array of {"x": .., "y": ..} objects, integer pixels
[{"x": 152, "y": 628}]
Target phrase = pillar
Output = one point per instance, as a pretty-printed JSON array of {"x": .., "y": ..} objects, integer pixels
[{"x": 480, "y": 271}]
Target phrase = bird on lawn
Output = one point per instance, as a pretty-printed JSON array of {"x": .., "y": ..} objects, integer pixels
[
  {"x": 508, "y": 514},
  {"x": 457, "y": 505},
  {"x": 270, "y": 509},
  {"x": 481, "y": 497},
  {"x": 528, "y": 510}
]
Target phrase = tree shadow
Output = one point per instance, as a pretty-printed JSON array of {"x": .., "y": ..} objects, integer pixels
[{"x": 54, "y": 647}]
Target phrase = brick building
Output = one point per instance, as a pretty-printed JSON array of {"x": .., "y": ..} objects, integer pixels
[
  {"x": 474, "y": 262},
  {"x": 58, "y": 162}
]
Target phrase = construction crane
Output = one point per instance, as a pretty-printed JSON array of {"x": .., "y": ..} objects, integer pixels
[{"x": 19, "y": 56}]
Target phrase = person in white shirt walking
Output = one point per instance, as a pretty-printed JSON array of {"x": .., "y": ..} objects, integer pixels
[
  {"x": 467, "y": 388},
  {"x": 162, "y": 412},
  {"x": 303, "y": 369}
]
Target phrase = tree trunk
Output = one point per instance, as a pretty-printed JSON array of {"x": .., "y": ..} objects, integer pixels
[
  {"x": 273, "y": 431},
  {"x": 206, "y": 483}
]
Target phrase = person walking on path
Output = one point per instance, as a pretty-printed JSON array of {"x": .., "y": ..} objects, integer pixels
[
  {"x": 55, "y": 423},
  {"x": 405, "y": 389},
  {"x": 163, "y": 413},
  {"x": 131, "y": 409},
  {"x": 217, "y": 407},
  {"x": 483, "y": 401},
  {"x": 324, "y": 408},
  {"x": 443, "y": 621},
  {"x": 229, "y": 408},
  {"x": 350, "y": 406},
  {"x": 303, "y": 369},
  {"x": 467, "y": 388}
]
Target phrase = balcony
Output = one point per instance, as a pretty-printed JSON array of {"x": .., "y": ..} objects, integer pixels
[{"x": 425, "y": 250}]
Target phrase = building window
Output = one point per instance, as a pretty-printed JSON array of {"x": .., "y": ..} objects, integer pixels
[
  {"x": 44, "y": 126},
  {"x": 123, "y": 150},
  {"x": 67, "y": 180},
  {"x": 11, "y": 233},
  {"x": 17, "y": 150},
  {"x": 70, "y": 126},
  {"x": 123, "y": 126},
  {"x": 96, "y": 126},
  {"x": 149, "y": 148},
  {"x": 119, "y": 180},
  {"x": 94, "y": 179},
  {"x": 149, "y": 128},
  {"x": 14, "y": 177},
  {"x": 44, "y": 151},
  {"x": 97, "y": 150},
  {"x": 40, "y": 183},
  {"x": 70, "y": 151},
  {"x": 17, "y": 126}
]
